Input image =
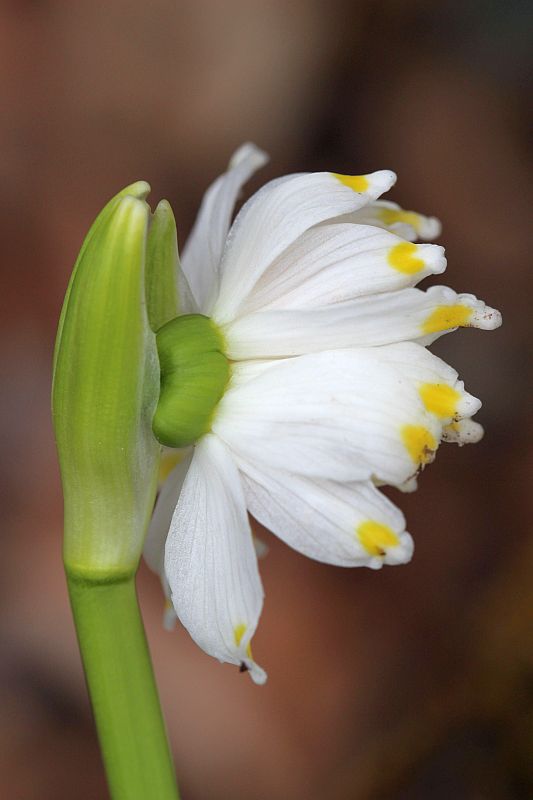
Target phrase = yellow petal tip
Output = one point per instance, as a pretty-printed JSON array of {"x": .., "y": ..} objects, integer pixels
[
  {"x": 402, "y": 257},
  {"x": 376, "y": 537},
  {"x": 444, "y": 318},
  {"x": 419, "y": 443},
  {"x": 358, "y": 183},
  {"x": 439, "y": 399}
]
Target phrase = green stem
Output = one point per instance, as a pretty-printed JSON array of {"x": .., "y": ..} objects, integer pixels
[{"x": 122, "y": 688}]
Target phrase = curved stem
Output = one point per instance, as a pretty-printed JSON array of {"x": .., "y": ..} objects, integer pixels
[{"x": 122, "y": 687}]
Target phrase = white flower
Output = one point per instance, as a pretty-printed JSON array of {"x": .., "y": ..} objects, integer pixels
[{"x": 332, "y": 389}]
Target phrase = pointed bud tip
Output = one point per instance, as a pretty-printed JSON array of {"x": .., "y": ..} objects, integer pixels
[
  {"x": 129, "y": 221},
  {"x": 163, "y": 207},
  {"x": 139, "y": 189}
]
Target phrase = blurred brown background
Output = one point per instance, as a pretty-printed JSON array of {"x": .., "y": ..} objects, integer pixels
[{"x": 413, "y": 683}]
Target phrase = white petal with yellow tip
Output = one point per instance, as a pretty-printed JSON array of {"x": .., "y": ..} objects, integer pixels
[
  {"x": 334, "y": 263},
  {"x": 274, "y": 218},
  {"x": 409, "y": 225},
  {"x": 371, "y": 321},
  {"x": 347, "y": 525},
  {"x": 210, "y": 560},
  {"x": 335, "y": 414},
  {"x": 440, "y": 390}
]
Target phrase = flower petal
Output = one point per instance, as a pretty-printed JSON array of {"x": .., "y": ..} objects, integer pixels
[
  {"x": 202, "y": 253},
  {"x": 276, "y": 216},
  {"x": 463, "y": 431},
  {"x": 349, "y": 525},
  {"x": 409, "y": 314},
  {"x": 442, "y": 394},
  {"x": 345, "y": 415},
  {"x": 444, "y": 310},
  {"x": 154, "y": 546},
  {"x": 409, "y": 225},
  {"x": 334, "y": 263},
  {"x": 210, "y": 561}
]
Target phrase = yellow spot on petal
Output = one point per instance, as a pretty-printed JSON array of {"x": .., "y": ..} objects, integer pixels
[
  {"x": 238, "y": 633},
  {"x": 402, "y": 257},
  {"x": 453, "y": 426},
  {"x": 392, "y": 215},
  {"x": 358, "y": 183},
  {"x": 440, "y": 399},
  {"x": 443, "y": 318},
  {"x": 420, "y": 443},
  {"x": 376, "y": 538}
]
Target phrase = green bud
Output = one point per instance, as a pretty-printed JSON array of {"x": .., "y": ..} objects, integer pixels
[
  {"x": 194, "y": 375},
  {"x": 106, "y": 385},
  {"x": 161, "y": 282},
  {"x": 140, "y": 189}
]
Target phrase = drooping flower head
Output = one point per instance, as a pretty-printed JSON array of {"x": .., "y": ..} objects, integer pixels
[{"x": 307, "y": 335}]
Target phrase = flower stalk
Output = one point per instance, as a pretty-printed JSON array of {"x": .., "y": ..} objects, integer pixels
[{"x": 122, "y": 688}]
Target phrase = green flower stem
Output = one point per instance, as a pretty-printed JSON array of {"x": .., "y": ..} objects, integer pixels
[{"x": 122, "y": 687}]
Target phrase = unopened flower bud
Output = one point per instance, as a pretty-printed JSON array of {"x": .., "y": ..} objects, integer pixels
[{"x": 106, "y": 383}]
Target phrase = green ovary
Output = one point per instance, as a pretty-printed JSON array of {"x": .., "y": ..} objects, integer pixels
[{"x": 194, "y": 376}]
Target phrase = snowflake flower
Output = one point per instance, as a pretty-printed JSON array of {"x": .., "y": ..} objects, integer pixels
[{"x": 329, "y": 392}]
